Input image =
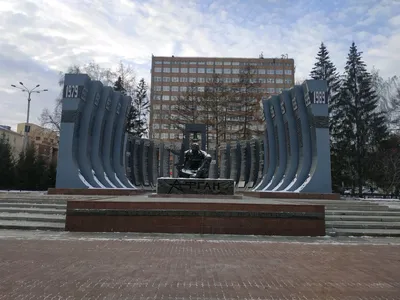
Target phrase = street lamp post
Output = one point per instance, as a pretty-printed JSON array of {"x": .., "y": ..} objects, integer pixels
[{"x": 29, "y": 91}]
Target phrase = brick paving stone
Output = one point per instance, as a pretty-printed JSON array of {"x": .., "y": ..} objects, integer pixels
[{"x": 196, "y": 269}]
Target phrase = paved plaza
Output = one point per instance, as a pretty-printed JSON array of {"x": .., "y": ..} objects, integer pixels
[{"x": 39, "y": 265}]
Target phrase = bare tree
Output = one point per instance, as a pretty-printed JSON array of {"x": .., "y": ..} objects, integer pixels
[
  {"x": 52, "y": 118},
  {"x": 216, "y": 103},
  {"x": 388, "y": 91},
  {"x": 247, "y": 96},
  {"x": 188, "y": 108}
]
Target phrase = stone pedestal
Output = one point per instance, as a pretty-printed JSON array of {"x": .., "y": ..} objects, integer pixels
[{"x": 167, "y": 185}]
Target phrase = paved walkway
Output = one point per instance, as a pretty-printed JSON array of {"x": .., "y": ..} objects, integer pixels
[{"x": 119, "y": 266}]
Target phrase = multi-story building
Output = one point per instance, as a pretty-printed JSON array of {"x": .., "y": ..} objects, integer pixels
[
  {"x": 45, "y": 140},
  {"x": 15, "y": 139},
  {"x": 171, "y": 76}
]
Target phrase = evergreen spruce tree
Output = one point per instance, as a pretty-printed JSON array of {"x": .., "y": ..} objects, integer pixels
[
  {"x": 137, "y": 118},
  {"x": 26, "y": 169},
  {"x": 119, "y": 86},
  {"x": 6, "y": 165},
  {"x": 359, "y": 126}
]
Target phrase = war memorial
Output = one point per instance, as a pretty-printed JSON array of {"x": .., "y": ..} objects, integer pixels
[{"x": 98, "y": 157}]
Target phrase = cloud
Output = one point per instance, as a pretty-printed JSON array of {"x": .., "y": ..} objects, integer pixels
[{"x": 41, "y": 38}]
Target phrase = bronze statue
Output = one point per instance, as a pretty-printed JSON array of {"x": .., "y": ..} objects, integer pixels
[{"x": 196, "y": 162}]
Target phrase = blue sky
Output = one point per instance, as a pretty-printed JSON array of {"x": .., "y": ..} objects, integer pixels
[{"x": 42, "y": 37}]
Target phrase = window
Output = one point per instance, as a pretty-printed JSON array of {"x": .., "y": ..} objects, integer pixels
[
  {"x": 165, "y": 107},
  {"x": 167, "y": 70},
  {"x": 210, "y": 70},
  {"x": 270, "y": 90},
  {"x": 201, "y": 70},
  {"x": 235, "y": 63},
  {"x": 184, "y": 70},
  {"x": 288, "y": 72},
  {"x": 166, "y": 88},
  {"x": 157, "y": 97},
  {"x": 165, "y": 97},
  {"x": 270, "y": 80},
  {"x": 158, "y": 62},
  {"x": 156, "y": 116},
  {"x": 156, "y": 126},
  {"x": 280, "y": 72},
  {"x": 175, "y": 89},
  {"x": 235, "y": 80},
  {"x": 164, "y": 136},
  {"x": 192, "y": 70},
  {"x": 183, "y": 88},
  {"x": 227, "y": 63},
  {"x": 174, "y": 98},
  {"x": 192, "y": 79},
  {"x": 158, "y": 88},
  {"x": 288, "y": 81},
  {"x": 157, "y": 70},
  {"x": 270, "y": 71},
  {"x": 210, "y": 63},
  {"x": 156, "y": 106},
  {"x": 175, "y": 70},
  {"x": 279, "y": 80},
  {"x": 166, "y": 62},
  {"x": 193, "y": 62},
  {"x": 200, "y": 88},
  {"x": 183, "y": 79},
  {"x": 235, "y": 71},
  {"x": 228, "y": 80},
  {"x": 156, "y": 135},
  {"x": 166, "y": 79},
  {"x": 262, "y": 80},
  {"x": 261, "y": 71},
  {"x": 201, "y": 79},
  {"x": 278, "y": 90},
  {"x": 175, "y": 79},
  {"x": 201, "y": 63},
  {"x": 157, "y": 79},
  {"x": 218, "y": 63},
  {"x": 38, "y": 138},
  {"x": 227, "y": 71},
  {"x": 218, "y": 71}
]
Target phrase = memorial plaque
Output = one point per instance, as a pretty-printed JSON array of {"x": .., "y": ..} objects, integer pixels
[
  {"x": 136, "y": 163},
  {"x": 145, "y": 162},
  {"x": 287, "y": 139},
  {"x": 276, "y": 144},
  {"x": 234, "y": 162},
  {"x": 243, "y": 164},
  {"x": 299, "y": 132},
  {"x": 319, "y": 97},
  {"x": 195, "y": 186}
]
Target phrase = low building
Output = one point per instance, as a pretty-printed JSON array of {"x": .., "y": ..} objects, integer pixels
[
  {"x": 15, "y": 139},
  {"x": 44, "y": 139}
]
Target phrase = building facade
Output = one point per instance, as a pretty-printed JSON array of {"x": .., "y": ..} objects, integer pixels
[
  {"x": 45, "y": 140},
  {"x": 15, "y": 139},
  {"x": 171, "y": 76}
]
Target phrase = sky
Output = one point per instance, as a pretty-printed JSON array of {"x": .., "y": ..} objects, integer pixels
[{"x": 40, "y": 38}]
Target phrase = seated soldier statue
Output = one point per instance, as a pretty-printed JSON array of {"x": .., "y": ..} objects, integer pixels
[{"x": 196, "y": 162}]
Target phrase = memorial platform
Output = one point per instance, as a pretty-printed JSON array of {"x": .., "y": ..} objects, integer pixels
[
  {"x": 291, "y": 195},
  {"x": 195, "y": 215},
  {"x": 96, "y": 192}
]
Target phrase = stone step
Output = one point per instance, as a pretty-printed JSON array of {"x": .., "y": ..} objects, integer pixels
[
  {"x": 364, "y": 232},
  {"x": 49, "y": 211},
  {"x": 25, "y": 225},
  {"x": 34, "y": 200},
  {"x": 32, "y": 217},
  {"x": 361, "y": 213},
  {"x": 362, "y": 225},
  {"x": 359, "y": 208},
  {"x": 33, "y": 205},
  {"x": 365, "y": 218}
]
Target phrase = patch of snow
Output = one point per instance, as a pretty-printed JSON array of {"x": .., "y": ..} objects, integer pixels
[
  {"x": 97, "y": 180},
  {"x": 108, "y": 180}
]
